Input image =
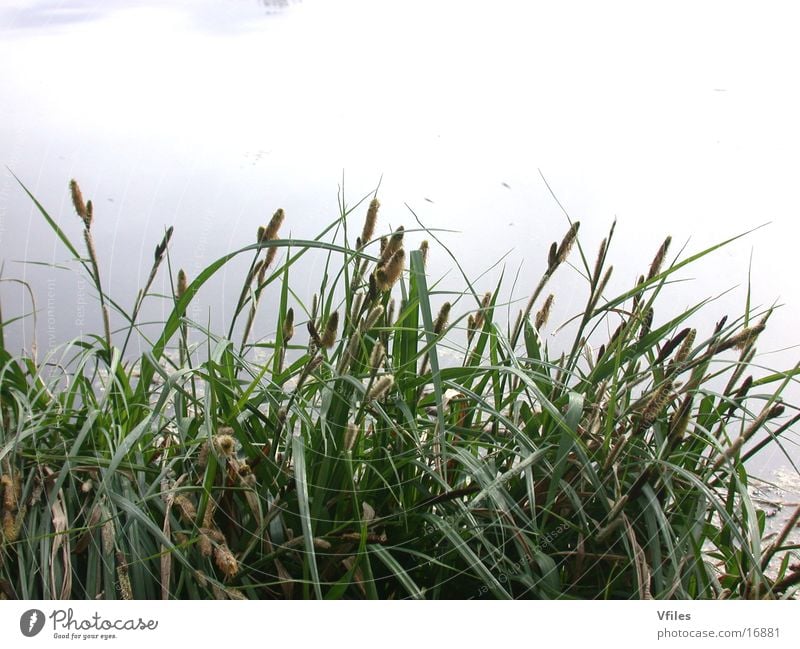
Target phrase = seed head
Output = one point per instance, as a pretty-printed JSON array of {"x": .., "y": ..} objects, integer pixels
[
  {"x": 358, "y": 301},
  {"x": 387, "y": 275},
  {"x": 78, "y": 203},
  {"x": 329, "y": 335},
  {"x": 369, "y": 223},
  {"x": 441, "y": 319},
  {"x": 376, "y": 357},
  {"x": 350, "y": 352},
  {"x": 395, "y": 243},
  {"x": 350, "y": 436},
  {"x": 647, "y": 322},
  {"x": 161, "y": 248},
  {"x": 566, "y": 242},
  {"x": 423, "y": 247},
  {"x": 743, "y": 339},
  {"x": 186, "y": 508},
  {"x": 686, "y": 347},
  {"x": 274, "y": 225},
  {"x": 123, "y": 580},
  {"x": 776, "y": 411},
  {"x": 372, "y": 317},
  {"x": 225, "y": 443},
  {"x": 271, "y": 254},
  {"x": 552, "y": 255},
  {"x": 182, "y": 283},
  {"x": 288, "y": 325},
  {"x": 656, "y": 403},
  {"x": 658, "y": 260},
  {"x": 225, "y": 560},
  {"x": 11, "y": 527},
  {"x": 544, "y": 313},
  {"x": 381, "y": 387},
  {"x": 470, "y": 327}
]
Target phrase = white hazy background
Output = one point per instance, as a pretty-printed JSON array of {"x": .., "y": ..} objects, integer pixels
[{"x": 675, "y": 118}]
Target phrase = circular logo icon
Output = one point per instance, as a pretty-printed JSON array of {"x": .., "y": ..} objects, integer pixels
[{"x": 31, "y": 622}]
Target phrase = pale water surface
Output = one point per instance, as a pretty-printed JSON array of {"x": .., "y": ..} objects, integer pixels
[{"x": 209, "y": 114}]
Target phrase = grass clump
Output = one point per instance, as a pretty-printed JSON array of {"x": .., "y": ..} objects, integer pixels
[{"x": 353, "y": 460}]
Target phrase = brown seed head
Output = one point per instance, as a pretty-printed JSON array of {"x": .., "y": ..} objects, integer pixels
[
  {"x": 350, "y": 436},
  {"x": 647, "y": 322},
  {"x": 358, "y": 301},
  {"x": 186, "y": 508},
  {"x": 182, "y": 283},
  {"x": 743, "y": 339},
  {"x": 274, "y": 225},
  {"x": 544, "y": 313},
  {"x": 686, "y": 347},
  {"x": 161, "y": 248},
  {"x": 598, "y": 264},
  {"x": 369, "y": 223},
  {"x": 552, "y": 256},
  {"x": 329, "y": 335},
  {"x": 225, "y": 443},
  {"x": 567, "y": 242},
  {"x": 271, "y": 254},
  {"x": 225, "y": 560},
  {"x": 656, "y": 403},
  {"x": 387, "y": 275},
  {"x": 395, "y": 243},
  {"x": 441, "y": 319},
  {"x": 288, "y": 325},
  {"x": 658, "y": 260},
  {"x": 423, "y": 247},
  {"x": 776, "y": 411},
  {"x": 123, "y": 580},
  {"x": 381, "y": 387},
  {"x": 77, "y": 201},
  {"x": 376, "y": 357},
  {"x": 372, "y": 317},
  {"x": 470, "y": 327}
]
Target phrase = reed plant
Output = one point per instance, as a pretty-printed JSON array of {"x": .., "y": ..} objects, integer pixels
[{"x": 343, "y": 453}]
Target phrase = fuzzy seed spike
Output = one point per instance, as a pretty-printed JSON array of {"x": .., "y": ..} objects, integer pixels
[
  {"x": 387, "y": 275},
  {"x": 329, "y": 335},
  {"x": 381, "y": 387},
  {"x": 369, "y": 223},
  {"x": 288, "y": 325},
  {"x": 658, "y": 260},
  {"x": 274, "y": 225},
  {"x": 441, "y": 319},
  {"x": 544, "y": 313},
  {"x": 423, "y": 247},
  {"x": 376, "y": 357},
  {"x": 567, "y": 242}
]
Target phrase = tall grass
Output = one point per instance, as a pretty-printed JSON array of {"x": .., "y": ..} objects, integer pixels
[{"x": 351, "y": 459}]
